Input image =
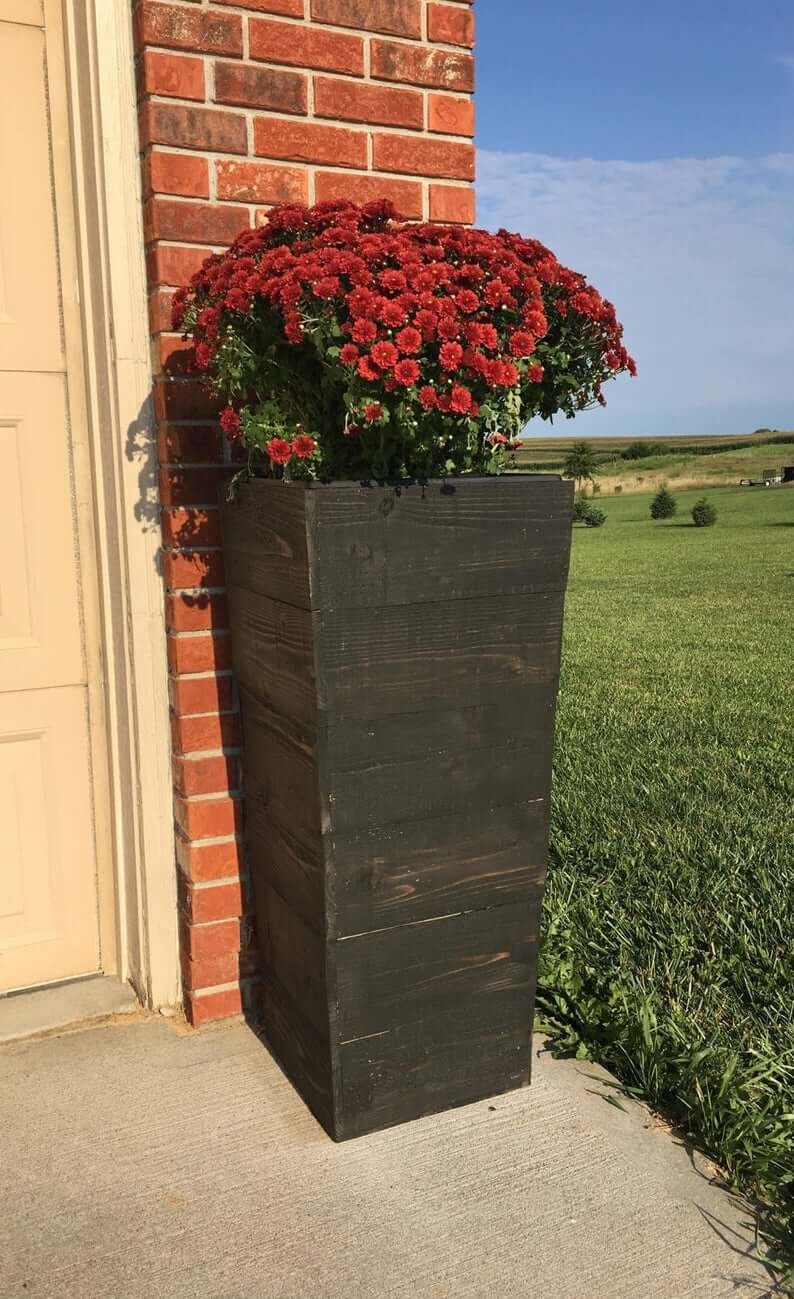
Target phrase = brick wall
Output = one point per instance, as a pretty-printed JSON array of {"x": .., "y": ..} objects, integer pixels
[{"x": 243, "y": 105}]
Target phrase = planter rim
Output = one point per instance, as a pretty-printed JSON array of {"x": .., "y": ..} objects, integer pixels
[{"x": 358, "y": 483}]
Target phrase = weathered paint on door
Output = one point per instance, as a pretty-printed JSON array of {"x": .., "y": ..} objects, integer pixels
[{"x": 48, "y": 891}]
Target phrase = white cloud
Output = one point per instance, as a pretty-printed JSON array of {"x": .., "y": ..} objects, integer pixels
[{"x": 698, "y": 256}]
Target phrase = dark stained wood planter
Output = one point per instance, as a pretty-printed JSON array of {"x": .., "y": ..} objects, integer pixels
[{"x": 397, "y": 652}]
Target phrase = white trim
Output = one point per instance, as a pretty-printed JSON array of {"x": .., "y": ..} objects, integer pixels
[{"x": 100, "y": 65}]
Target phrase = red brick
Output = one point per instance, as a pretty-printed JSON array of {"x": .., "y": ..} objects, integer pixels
[
  {"x": 220, "y": 902},
  {"x": 450, "y": 115},
  {"x": 406, "y": 195},
  {"x": 172, "y": 74},
  {"x": 450, "y": 25},
  {"x": 396, "y": 17},
  {"x": 205, "y": 1009},
  {"x": 186, "y": 569},
  {"x": 419, "y": 65},
  {"x": 307, "y": 142},
  {"x": 211, "y": 971},
  {"x": 174, "y": 265},
  {"x": 350, "y": 101},
  {"x": 190, "y": 486},
  {"x": 286, "y": 8},
  {"x": 191, "y": 527},
  {"x": 305, "y": 47},
  {"x": 176, "y": 173},
  {"x": 209, "y": 818},
  {"x": 160, "y": 308},
  {"x": 195, "y": 443},
  {"x": 198, "y": 653},
  {"x": 179, "y": 125},
  {"x": 202, "y": 862},
  {"x": 193, "y": 223},
  {"x": 253, "y": 182},
  {"x": 208, "y": 941},
  {"x": 271, "y": 88},
  {"x": 422, "y": 156},
  {"x": 205, "y": 733},
  {"x": 174, "y": 356},
  {"x": 217, "y": 775},
  {"x": 202, "y": 31},
  {"x": 451, "y": 204},
  {"x": 184, "y": 399},
  {"x": 192, "y": 696}
]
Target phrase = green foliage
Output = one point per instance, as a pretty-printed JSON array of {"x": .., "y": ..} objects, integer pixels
[
  {"x": 704, "y": 514},
  {"x": 639, "y": 450},
  {"x": 595, "y": 518},
  {"x": 581, "y": 508},
  {"x": 663, "y": 505},
  {"x": 581, "y": 464},
  {"x": 669, "y": 911}
]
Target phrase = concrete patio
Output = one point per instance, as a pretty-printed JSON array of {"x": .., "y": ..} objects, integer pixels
[{"x": 144, "y": 1160}]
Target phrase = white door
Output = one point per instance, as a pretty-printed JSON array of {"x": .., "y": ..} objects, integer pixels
[{"x": 48, "y": 887}]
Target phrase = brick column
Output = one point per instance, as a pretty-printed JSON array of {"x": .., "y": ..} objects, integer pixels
[{"x": 244, "y": 105}]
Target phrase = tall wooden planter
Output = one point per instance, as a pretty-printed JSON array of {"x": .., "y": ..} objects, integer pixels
[{"x": 397, "y": 651}]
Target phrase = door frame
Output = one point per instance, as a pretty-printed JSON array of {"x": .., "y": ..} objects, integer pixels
[{"x": 107, "y": 332}]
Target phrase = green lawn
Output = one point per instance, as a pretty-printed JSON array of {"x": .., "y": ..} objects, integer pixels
[{"x": 669, "y": 918}]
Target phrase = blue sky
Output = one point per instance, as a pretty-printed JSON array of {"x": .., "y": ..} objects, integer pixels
[{"x": 652, "y": 147}]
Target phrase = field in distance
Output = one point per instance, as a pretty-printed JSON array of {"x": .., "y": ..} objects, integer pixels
[{"x": 687, "y": 461}]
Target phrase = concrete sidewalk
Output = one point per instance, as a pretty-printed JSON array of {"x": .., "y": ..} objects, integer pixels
[{"x": 139, "y": 1161}]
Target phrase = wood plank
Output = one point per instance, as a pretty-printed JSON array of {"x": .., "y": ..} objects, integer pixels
[
  {"x": 264, "y": 533},
  {"x": 293, "y": 954},
  {"x": 412, "y": 657},
  {"x": 498, "y": 717},
  {"x": 404, "y": 873},
  {"x": 476, "y": 966},
  {"x": 273, "y": 653},
  {"x": 303, "y": 1054},
  {"x": 425, "y": 1068},
  {"x": 375, "y": 546}
]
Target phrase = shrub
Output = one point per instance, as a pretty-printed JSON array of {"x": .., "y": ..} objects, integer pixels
[
  {"x": 350, "y": 344},
  {"x": 704, "y": 514},
  {"x": 638, "y": 450},
  {"x": 595, "y": 518},
  {"x": 581, "y": 509},
  {"x": 663, "y": 505}
]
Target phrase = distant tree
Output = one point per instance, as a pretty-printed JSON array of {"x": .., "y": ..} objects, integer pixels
[
  {"x": 639, "y": 450},
  {"x": 663, "y": 505},
  {"x": 581, "y": 465},
  {"x": 704, "y": 514}
]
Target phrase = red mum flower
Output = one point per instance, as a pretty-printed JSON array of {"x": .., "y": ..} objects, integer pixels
[
  {"x": 349, "y": 354},
  {"x": 365, "y": 331},
  {"x": 393, "y": 315},
  {"x": 522, "y": 343},
  {"x": 385, "y": 355},
  {"x": 327, "y": 287},
  {"x": 303, "y": 446},
  {"x": 467, "y": 301},
  {"x": 202, "y": 356},
  {"x": 426, "y": 321},
  {"x": 367, "y": 370},
  {"x": 406, "y": 372},
  {"x": 460, "y": 399},
  {"x": 373, "y": 411},
  {"x": 394, "y": 281},
  {"x": 448, "y": 326},
  {"x": 230, "y": 422},
  {"x": 535, "y": 374},
  {"x": 450, "y": 356},
  {"x": 362, "y": 302},
  {"x": 409, "y": 340},
  {"x": 280, "y": 452},
  {"x": 428, "y": 397},
  {"x": 488, "y": 337}
]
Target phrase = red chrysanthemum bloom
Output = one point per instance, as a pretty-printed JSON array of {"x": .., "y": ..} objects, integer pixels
[
  {"x": 349, "y": 354},
  {"x": 279, "y": 451},
  {"x": 460, "y": 399},
  {"x": 367, "y": 370},
  {"x": 373, "y": 411},
  {"x": 428, "y": 397},
  {"x": 535, "y": 374},
  {"x": 409, "y": 340},
  {"x": 392, "y": 280},
  {"x": 393, "y": 314},
  {"x": 230, "y": 422},
  {"x": 385, "y": 355},
  {"x": 522, "y": 343},
  {"x": 304, "y": 446},
  {"x": 327, "y": 287},
  {"x": 448, "y": 326},
  {"x": 365, "y": 331},
  {"x": 467, "y": 301},
  {"x": 450, "y": 356},
  {"x": 406, "y": 372}
]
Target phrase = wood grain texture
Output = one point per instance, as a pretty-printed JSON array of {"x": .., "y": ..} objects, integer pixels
[{"x": 397, "y": 654}]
